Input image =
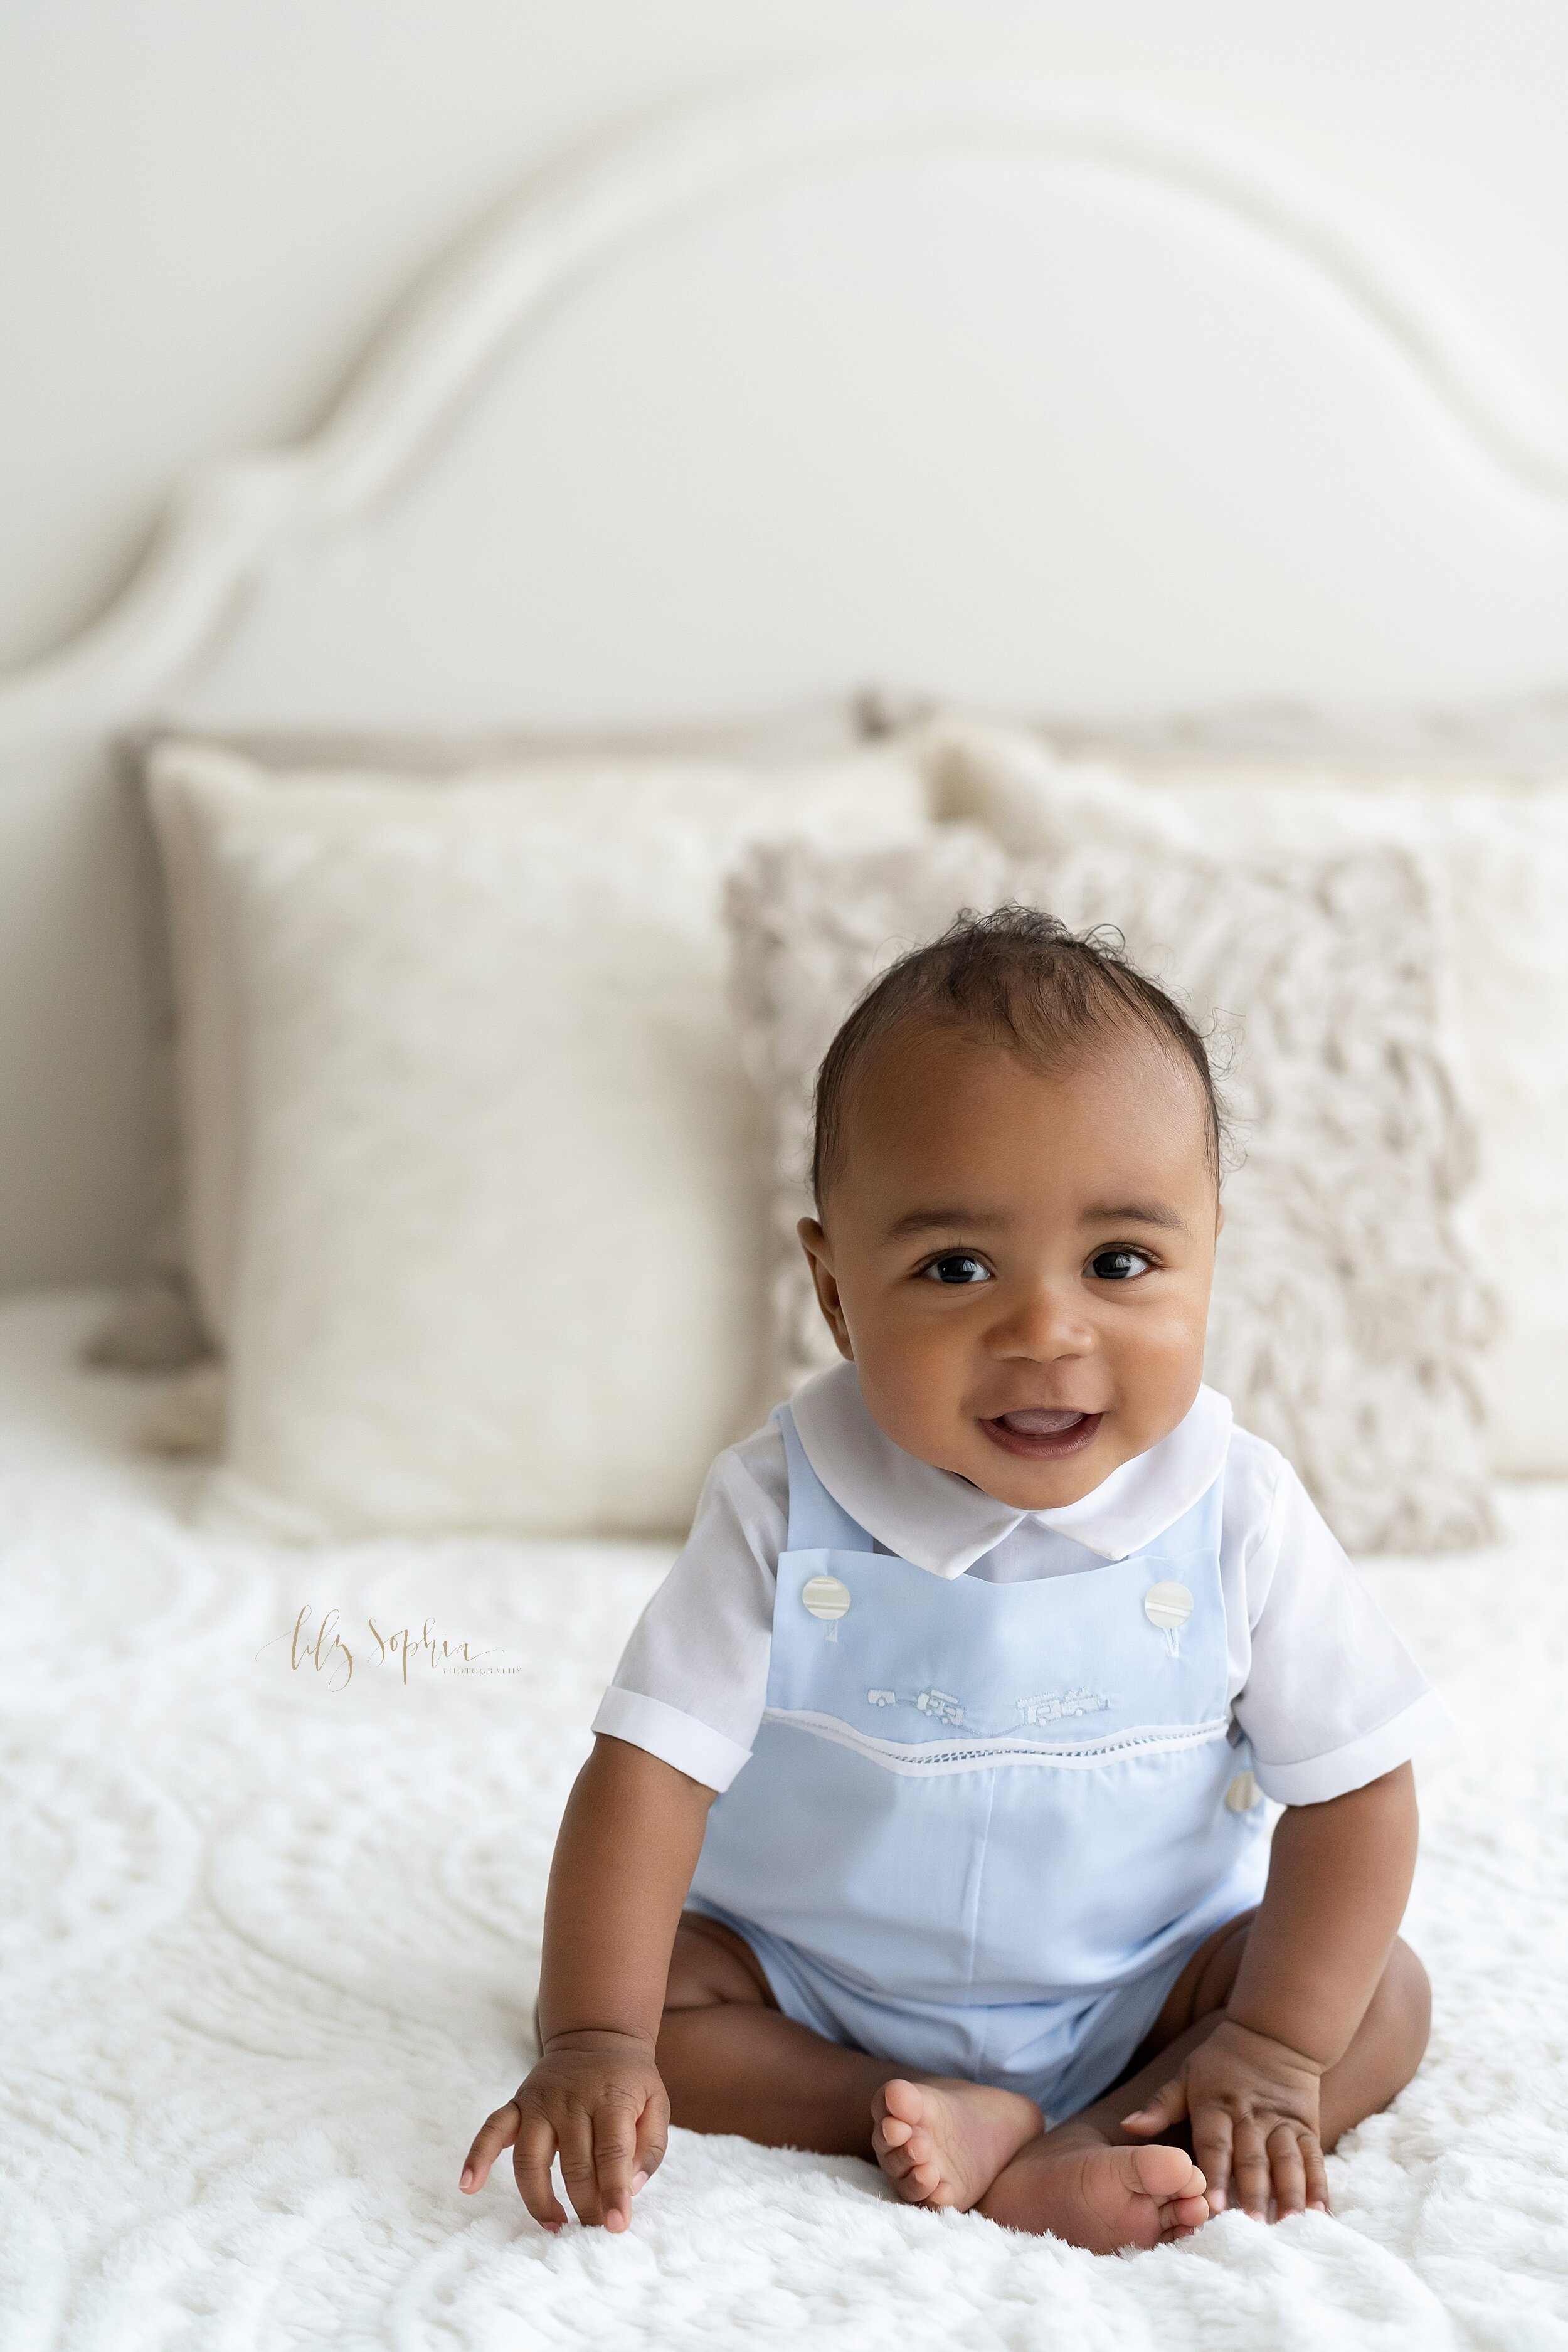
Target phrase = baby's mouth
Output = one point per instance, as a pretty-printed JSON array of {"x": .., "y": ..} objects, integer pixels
[{"x": 1042, "y": 1433}]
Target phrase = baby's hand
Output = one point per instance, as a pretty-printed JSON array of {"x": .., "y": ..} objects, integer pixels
[
  {"x": 1253, "y": 2103},
  {"x": 596, "y": 2098}
]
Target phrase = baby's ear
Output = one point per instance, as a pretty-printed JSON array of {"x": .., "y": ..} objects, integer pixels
[{"x": 819, "y": 1257}]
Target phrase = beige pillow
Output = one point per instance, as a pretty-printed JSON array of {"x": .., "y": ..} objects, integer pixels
[
  {"x": 1496, "y": 862},
  {"x": 476, "y": 1189},
  {"x": 1347, "y": 1314},
  {"x": 154, "y": 1324}
]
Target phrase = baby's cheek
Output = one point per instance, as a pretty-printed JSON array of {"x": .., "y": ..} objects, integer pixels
[
  {"x": 913, "y": 1392},
  {"x": 1158, "y": 1370}
]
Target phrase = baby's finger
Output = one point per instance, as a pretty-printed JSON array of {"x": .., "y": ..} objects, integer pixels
[
  {"x": 1167, "y": 2106},
  {"x": 531, "y": 2166},
  {"x": 653, "y": 2139},
  {"x": 1249, "y": 2169},
  {"x": 1316, "y": 2172},
  {"x": 1288, "y": 2171},
  {"x": 574, "y": 2139},
  {"x": 1213, "y": 2137},
  {"x": 497, "y": 2131},
  {"x": 615, "y": 2146}
]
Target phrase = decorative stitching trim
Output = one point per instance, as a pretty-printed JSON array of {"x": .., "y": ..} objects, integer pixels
[{"x": 918, "y": 1762}]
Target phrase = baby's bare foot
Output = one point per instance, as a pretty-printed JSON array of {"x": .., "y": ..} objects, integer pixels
[
  {"x": 944, "y": 2142},
  {"x": 1099, "y": 2196}
]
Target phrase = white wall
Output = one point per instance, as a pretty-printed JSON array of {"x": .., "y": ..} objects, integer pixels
[{"x": 206, "y": 206}]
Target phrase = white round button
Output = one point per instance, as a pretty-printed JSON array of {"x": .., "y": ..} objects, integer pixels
[
  {"x": 1243, "y": 1793},
  {"x": 826, "y": 1597},
  {"x": 1167, "y": 1605}
]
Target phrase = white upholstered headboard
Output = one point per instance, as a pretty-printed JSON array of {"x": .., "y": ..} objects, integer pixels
[{"x": 982, "y": 388}]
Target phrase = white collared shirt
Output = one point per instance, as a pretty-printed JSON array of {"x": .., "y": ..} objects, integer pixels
[{"x": 1322, "y": 1686}]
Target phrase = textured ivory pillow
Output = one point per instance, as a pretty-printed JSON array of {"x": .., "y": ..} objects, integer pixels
[
  {"x": 156, "y": 1323},
  {"x": 1496, "y": 862},
  {"x": 478, "y": 1188},
  {"x": 1346, "y": 1314}
]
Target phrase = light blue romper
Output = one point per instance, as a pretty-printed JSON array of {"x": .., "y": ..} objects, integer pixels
[{"x": 985, "y": 1825}]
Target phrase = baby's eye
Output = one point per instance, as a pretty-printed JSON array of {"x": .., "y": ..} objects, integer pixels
[
  {"x": 1119, "y": 1264},
  {"x": 958, "y": 1266}
]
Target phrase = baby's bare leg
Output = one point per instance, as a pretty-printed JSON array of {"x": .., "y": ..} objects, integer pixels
[
  {"x": 732, "y": 2062},
  {"x": 1384, "y": 2053}
]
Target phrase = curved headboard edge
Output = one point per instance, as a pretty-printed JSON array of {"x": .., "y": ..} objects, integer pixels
[{"x": 227, "y": 521}]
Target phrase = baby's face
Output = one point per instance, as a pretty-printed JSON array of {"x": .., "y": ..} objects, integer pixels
[{"x": 1019, "y": 1264}]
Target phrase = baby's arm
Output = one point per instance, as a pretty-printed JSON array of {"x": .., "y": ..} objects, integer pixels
[
  {"x": 629, "y": 1845},
  {"x": 1339, "y": 1878}
]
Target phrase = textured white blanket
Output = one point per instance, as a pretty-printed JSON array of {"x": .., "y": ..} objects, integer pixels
[{"x": 270, "y": 1930}]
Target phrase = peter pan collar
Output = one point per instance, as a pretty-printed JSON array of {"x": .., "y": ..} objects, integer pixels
[{"x": 940, "y": 1522}]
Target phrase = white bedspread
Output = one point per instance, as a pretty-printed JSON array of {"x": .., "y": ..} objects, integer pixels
[{"x": 269, "y": 1935}]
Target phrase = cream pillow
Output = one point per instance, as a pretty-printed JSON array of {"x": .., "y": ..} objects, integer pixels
[
  {"x": 1497, "y": 864},
  {"x": 1347, "y": 1315},
  {"x": 472, "y": 1162},
  {"x": 154, "y": 1325}
]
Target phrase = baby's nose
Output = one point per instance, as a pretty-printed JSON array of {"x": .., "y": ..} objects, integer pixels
[{"x": 1044, "y": 1323}]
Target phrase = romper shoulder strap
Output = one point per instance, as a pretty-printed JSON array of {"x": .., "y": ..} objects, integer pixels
[{"x": 816, "y": 1523}]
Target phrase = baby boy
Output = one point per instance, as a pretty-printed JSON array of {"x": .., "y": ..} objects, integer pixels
[{"x": 925, "y": 1818}]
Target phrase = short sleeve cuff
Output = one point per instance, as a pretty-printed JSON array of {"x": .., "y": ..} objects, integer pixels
[
  {"x": 1321, "y": 1778},
  {"x": 692, "y": 1747}
]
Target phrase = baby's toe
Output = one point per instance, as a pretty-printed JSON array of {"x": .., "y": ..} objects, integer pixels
[
  {"x": 915, "y": 2183},
  {"x": 894, "y": 2159},
  {"x": 1164, "y": 2173},
  {"x": 891, "y": 2133},
  {"x": 901, "y": 2101}
]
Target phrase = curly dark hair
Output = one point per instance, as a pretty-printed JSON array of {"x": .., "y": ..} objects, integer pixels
[{"x": 1024, "y": 979}]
